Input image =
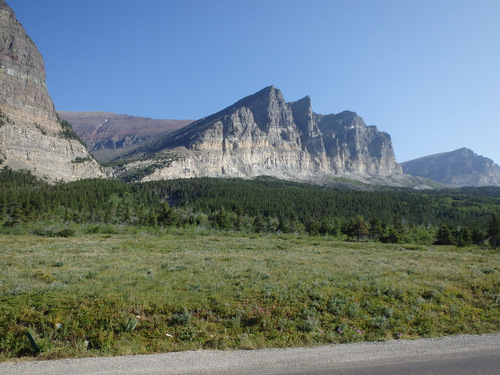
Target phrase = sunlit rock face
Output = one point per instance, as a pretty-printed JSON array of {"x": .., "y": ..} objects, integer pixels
[
  {"x": 30, "y": 135},
  {"x": 262, "y": 134}
]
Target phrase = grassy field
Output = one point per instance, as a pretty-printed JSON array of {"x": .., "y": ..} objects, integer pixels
[{"x": 114, "y": 294}]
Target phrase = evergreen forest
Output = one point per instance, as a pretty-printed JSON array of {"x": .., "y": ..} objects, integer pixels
[{"x": 461, "y": 216}]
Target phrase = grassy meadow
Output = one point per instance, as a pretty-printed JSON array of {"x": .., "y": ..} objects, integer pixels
[{"x": 116, "y": 294}]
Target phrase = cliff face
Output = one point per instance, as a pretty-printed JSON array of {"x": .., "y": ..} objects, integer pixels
[
  {"x": 461, "y": 167},
  {"x": 262, "y": 134},
  {"x": 356, "y": 148},
  {"x": 31, "y": 136}
]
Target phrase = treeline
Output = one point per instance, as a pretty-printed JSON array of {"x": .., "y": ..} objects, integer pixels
[
  {"x": 460, "y": 216},
  {"x": 306, "y": 203},
  {"x": 452, "y": 216}
]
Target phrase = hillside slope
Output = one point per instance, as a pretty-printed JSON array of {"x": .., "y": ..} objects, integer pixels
[
  {"x": 110, "y": 135},
  {"x": 461, "y": 167}
]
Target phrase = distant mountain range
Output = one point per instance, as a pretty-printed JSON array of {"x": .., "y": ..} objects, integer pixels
[
  {"x": 109, "y": 135},
  {"x": 261, "y": 134},
  {"x": 461, "y": 167},
  {"x": 124, "y": 137}
]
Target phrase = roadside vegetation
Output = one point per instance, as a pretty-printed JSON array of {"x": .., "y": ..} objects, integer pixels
[
  {"x": 101, "y": 267},
  {"x": 115, "y": 294}
]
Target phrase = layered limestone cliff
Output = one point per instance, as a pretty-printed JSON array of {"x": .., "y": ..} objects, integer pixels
[
  {"x": 31, "y": 137},
  {"x": 356, "y": 148},
  {"x": 262, "y": 134}
]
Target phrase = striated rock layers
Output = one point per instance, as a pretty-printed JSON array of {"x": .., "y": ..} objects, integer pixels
[
  {"x": 262, "y": 134},
  {"x": 31, "y": 137}
]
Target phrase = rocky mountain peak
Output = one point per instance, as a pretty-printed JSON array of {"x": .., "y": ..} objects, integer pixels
[
  {"x": 262, "y": 134},
  {"x": 464, "y": 151},
  {"x": 269, "y": 108},
  {"x": 343, "y": 120},
  {"x": 31, "y": 136},
  {"x": 303, "y": 114}
]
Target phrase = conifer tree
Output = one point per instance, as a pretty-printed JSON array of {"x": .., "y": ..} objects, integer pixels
[
  {"x": 358, "y": 228},
  {"x": 375, "y": 229},
  {"x": 391, "y": 235},
  {"x": 477, "y": 236},
  {"x": 444, "y": 236},
  {"x": 494, "y": 231},
  {"x": 464, "y": 237},
  {"x": 167, "y": 216}
]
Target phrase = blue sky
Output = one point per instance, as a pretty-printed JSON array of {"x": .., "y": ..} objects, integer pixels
[{"x": 425, "y": 71}]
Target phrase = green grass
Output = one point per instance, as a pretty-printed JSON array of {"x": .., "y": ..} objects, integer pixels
[{"x": 114, "y": 294}]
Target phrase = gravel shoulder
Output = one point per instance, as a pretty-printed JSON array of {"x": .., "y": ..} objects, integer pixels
[{"x": 266, "y": 361}]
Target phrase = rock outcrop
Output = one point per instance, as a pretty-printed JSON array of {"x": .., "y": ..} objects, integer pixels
[
  {"x": 31, "y": 135},
  {"x": 461, "y": 167},
  {"x": 262, "y": 134}
]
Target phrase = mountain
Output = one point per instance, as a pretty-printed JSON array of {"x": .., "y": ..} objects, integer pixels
[
  {"x": 109, "y": 135},
  {"x": 461, "y": 167},
  {"x": 31, "y": 135},
  {"x": 262, "y": 134}
]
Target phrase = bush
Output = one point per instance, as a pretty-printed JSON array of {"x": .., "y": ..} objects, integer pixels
[
  {"x": 65, "y": 233},
  {"x": 336, "y": 305},
  {"x": 180, "y": 318},
  {"x": 51, "y": 233}
]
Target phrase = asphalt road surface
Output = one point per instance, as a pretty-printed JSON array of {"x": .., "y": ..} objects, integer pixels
[{"x": 457, "y": 355}]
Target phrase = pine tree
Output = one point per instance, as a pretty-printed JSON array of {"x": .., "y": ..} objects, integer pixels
[
  {"x": 152, "y": 219},
  {"x": 167, "y": 216},
  {"x": 358, "y": 228},
  {"x": 464, "y": 237},
  {"x": 444, "y": 236},
  {"x": 494, "y": 231},
  {"x": 258, "y": 224},
  {"x": 478, "y": 236},
  {"x": 375, "y": 229},
  {"x": 391, "y": 235},
  {"x": 223, "y": 220}
]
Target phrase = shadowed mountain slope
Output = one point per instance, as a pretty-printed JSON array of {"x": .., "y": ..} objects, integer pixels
[
  {"x": 110, "y": 135},
  {"x": 461, "y": 167}
]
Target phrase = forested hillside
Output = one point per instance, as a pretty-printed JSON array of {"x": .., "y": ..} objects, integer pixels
[
  {"x": 461, "y": 216},
  {"x": 305, "y": 202}
]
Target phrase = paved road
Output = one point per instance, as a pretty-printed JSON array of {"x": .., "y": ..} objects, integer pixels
[
  {"x": 484, "y": 363},
  {"x": 457, "y": 355}
]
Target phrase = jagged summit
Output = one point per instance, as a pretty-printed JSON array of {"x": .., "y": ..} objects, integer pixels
[
  {"x": 262, "y": 134},
  {"x": 31, "y": 137}
]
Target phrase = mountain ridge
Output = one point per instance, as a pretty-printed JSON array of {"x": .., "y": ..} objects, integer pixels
[
  {"x": 461, "y": 167},
  {"x": 262, "y": 134},
  {"x": 110, "y": 135}
]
